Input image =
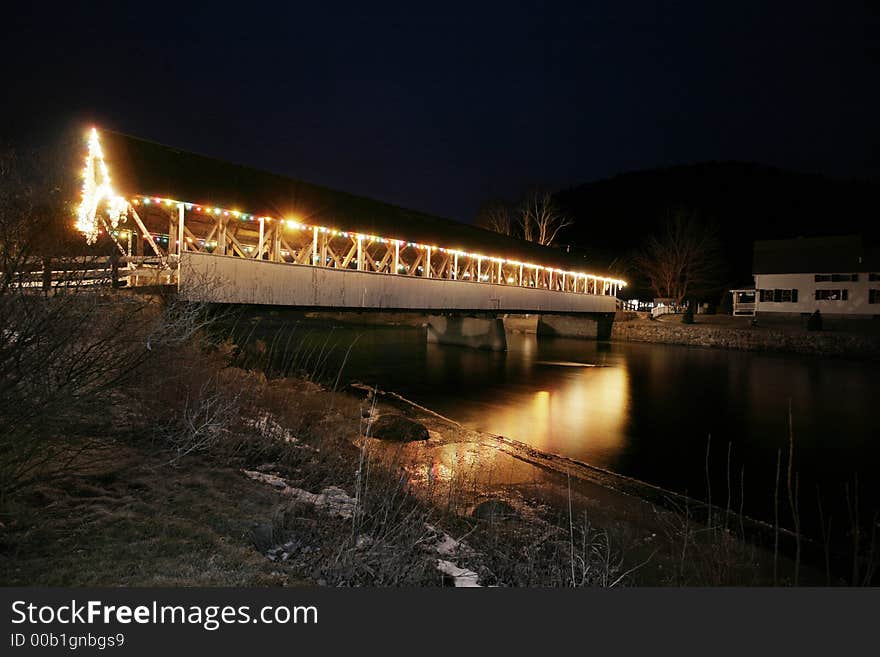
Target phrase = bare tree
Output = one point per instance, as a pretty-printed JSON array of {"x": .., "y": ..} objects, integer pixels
[
  {"x": 540, "y": 219},
  {"x": 497, "y": 216},
  {"x": 70, "y": 354},
  {"x": 684, "y": 260}
]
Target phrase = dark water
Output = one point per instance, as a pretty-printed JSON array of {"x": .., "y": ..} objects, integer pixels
[{"x": 644, "y": 410}]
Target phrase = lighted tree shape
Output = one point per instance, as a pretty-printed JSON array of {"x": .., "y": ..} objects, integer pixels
[{"x": 96, "y": 189}]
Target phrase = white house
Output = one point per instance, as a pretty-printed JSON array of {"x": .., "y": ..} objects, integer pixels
[{"x": 838, "y": 276}]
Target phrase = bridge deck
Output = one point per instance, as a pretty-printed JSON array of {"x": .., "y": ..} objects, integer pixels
[{"x": 228, "y": 279}]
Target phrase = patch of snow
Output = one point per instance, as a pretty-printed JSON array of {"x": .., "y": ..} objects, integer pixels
[
  {"x": 446, "y": 546},
  {"x": 334, "y": 499},
  {"x": 443, "y": 544},
  {"x": 461, "y": 577},
  {"x": 273, "y": 480}
]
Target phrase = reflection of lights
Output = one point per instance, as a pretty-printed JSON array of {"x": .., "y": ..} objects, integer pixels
[
  {"x": 541, "y": 411},
  {"x": 583, "y": 415}
]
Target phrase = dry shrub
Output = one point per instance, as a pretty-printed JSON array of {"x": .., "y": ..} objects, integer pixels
[{"x": 69, "y": 363}]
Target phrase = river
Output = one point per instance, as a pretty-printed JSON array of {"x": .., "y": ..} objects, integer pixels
[{"x": 642, "y": 410}]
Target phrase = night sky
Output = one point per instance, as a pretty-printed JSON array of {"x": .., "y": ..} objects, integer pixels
[{"x": 440, "y": 107}]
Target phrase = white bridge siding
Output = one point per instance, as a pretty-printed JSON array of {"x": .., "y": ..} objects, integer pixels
[{"x": 228, "y": 279}]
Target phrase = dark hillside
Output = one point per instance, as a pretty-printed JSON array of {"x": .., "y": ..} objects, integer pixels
[{"x": 748, "y": 202}]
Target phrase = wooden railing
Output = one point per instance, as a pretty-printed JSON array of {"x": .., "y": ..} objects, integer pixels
[{"x": 48, "y": 274}]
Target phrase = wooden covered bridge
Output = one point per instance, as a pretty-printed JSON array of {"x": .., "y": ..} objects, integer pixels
[{"x": 226, "y": 233}]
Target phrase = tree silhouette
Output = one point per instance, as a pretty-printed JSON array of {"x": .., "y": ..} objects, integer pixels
[{"x": 684, "y": 260}]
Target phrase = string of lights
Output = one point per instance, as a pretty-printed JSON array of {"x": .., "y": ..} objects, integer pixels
[
  {"x": 97, "y": 188},
  {"x": 216, "y": 211}
]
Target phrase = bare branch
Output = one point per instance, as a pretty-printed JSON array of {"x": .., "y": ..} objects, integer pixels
[
  {"x": 684, "y": 260},
  {"x": 540, "y": 220},
  {"x": 496, "y": 216}
]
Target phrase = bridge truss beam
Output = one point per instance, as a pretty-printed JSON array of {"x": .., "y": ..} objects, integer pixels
[{"x": 283, "y": 241}]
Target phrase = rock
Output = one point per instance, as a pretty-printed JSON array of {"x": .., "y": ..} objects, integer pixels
[
  {"x": 399, "y": 428},
  {"x": 493, "y": 510},
  {"x": 337, "y": 502},
  {"x": 263, "y": 537}
]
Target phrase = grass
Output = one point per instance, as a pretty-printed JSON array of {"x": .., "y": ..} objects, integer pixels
[{"x": 140, "y": 523}]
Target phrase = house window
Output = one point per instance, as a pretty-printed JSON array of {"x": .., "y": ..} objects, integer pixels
[
  {"x": 835, "y": 278},
  {"x": 874, "y": 296},
  {"x": 832, "y": 295},
  {"x": 874, "y": 276},
  {"x": 779, "y": 296}
]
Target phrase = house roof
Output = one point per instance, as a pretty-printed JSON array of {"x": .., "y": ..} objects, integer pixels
[
  {"x": 140, "y": 167},
  {"x": 807, "y": 255}
]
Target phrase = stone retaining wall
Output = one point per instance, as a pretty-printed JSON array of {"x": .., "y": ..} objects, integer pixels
[{"x": 723, "y": 337}]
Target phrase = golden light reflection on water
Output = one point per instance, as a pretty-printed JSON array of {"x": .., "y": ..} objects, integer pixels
[
  {"x": 585, "y": 412},
  {"x": 466, "y": 463}
]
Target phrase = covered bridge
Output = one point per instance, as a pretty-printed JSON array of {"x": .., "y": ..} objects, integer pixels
[{"x": 185, "y": 202}]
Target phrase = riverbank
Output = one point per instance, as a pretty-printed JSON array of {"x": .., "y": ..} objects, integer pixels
[
  {"x": 630, "y": 409},
  {"x": 191, "y": 458},
  {"x": 295, "y": 491},
  {"x": 723, "y": 332}
]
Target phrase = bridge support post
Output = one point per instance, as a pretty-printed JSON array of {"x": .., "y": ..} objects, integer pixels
[
  {"x": 221, "y": 235},
  {"x": 181, "y": 243},
  {"x": 592, "y": 326},
  {"x": 172, "y": 235},
  {"x": 315, "y": 256},
  {"x": 473, "y": 332}
]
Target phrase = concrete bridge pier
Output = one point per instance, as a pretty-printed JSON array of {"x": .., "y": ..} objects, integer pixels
[
  {"x": 474, "y": 332},
  {"x": 591, "y": 326}
]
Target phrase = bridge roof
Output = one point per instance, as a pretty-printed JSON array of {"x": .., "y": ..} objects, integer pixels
[{"x": 143, "y": 168}]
